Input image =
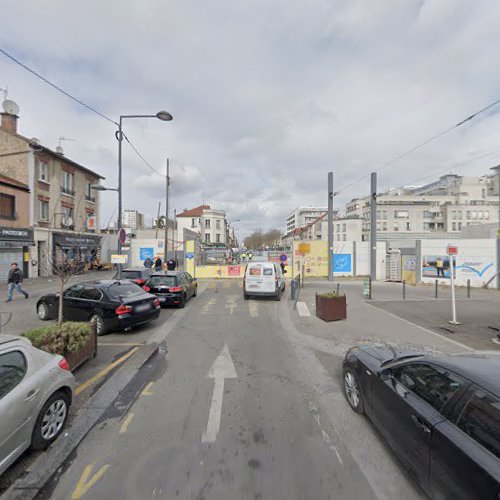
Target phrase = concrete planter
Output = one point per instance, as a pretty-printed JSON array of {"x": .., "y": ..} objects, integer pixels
[
  {"x": 331, "y": 308},
  {"x": 88, "y": 351}
]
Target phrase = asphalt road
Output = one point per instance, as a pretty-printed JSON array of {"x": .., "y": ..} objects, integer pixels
[{"x": 226, "y": 414}]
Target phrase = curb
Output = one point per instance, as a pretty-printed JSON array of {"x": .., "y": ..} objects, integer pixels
[{"x": 47, "y": 465}]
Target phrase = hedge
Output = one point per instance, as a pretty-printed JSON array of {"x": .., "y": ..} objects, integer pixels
[{"x": 70, "y": 336}]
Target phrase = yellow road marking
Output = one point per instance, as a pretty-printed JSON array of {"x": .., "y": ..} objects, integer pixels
[
  {"x": 104, "y": 372},
  {"x": 126, "y": 423},
  {"x": 125, "y": 344},
  {"x": 147, "y": 390},
  {"x": 84, "y": 484}
]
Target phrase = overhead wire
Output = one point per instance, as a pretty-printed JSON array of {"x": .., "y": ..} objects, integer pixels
[{"x": 141, "y": 157}]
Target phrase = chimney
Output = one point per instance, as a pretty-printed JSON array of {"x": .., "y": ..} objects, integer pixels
[{"x": 9, "y": 116}]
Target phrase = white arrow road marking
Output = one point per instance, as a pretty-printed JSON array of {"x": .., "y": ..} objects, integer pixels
[
  {"x": 222, "y": 368},
  {"x": 303, "y": 309}
]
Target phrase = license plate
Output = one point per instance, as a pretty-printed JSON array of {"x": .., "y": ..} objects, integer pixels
[{"x": 142, "y": 307}]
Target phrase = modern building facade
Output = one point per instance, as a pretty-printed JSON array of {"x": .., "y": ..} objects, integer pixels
[
  {"x": 63, "y": 210},
  {"x": 302, "y": 216},
  {"x": 209, "y": 223},
  {"x": 133, "y": 219}
]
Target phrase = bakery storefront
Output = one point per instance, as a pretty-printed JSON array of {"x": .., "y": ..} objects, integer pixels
[
  {"x": 14, "y": 247},
  {"x": 81, "y": 247}
]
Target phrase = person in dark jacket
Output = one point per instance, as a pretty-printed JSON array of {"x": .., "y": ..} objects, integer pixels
[
  {"x": 158, "y": 264},
  {"x": 15, "y": 279},
  {"x": 171, "y": 265},
  {"x": 148, "y": 262}
]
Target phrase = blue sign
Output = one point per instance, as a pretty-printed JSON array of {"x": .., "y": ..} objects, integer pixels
[
  {"x": 145, "y": 252},
  {"x": 283, "y": 257},
  {"x": 189, "y": 255},
  {"x": 342, "y": 263}
]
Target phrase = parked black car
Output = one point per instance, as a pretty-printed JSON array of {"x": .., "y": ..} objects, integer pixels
[
  {"x": 137, "y": 275},
  {"x": 111, "y": 304},
  {"x": 441, "y": 415},
  {"x": 172, "y": 287}
]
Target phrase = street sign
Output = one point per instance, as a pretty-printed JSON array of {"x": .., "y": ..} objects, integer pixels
[
  {"x": 189, "y": 255},
  {"x": 122, "y": 236},
  {"x": 304, "y": 248},
  {"x": 119, "y": 259},
  {"x": 283, "y": 257},
  {"x": 452, "y": 250}
]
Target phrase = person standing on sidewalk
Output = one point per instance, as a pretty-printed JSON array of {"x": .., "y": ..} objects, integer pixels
[
  {"x": 158, "y": 264},
  {"x": 148, "y": 263},
  {"x": 440, "y": 267},
  {"x": 15, "y": 279}
]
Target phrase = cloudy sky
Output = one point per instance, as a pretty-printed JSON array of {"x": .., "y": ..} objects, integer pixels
[{"x": 267, "y": 95}]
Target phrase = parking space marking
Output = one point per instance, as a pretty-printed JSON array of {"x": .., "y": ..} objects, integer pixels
[
  {"x": 302, "y": 309},
  {"x": 120, "y": 344},
  {"x": 105, "y": 371},
  {"x": 254, "y": 309},
  {"x": 231, "y": 303},
  {"x": 206, "y": 308},
  {"x": 84, "y": 484},
  {"x": 227, "y": 284},
  {"x": 126, "y": 423},
  {"x": 147, "y": 390}
]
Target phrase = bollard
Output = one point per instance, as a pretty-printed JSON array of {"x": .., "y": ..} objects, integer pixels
[
  {"x": 338, "y": 288},
  {"x": 468, "y": 288},
  {"x": 436, "y": 290},
  {"x": 303, "y": 275},
  {"x": 404, "y": 289},
  {"x": 292, "y": 289},
  {"x": 370, "y": 287}
]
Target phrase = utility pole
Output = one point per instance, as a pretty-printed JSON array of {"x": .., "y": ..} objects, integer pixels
[
  {"x": 497, "y": 171},
  {"x": 373, "y": 227},
  {"x": 165, "y": 245},
  {"x": 158, "y": 219},
  {"x": 330, "y": 226}
]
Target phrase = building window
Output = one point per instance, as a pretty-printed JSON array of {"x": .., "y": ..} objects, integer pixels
[
  {"x": 408, "y": 226},
  {"x": 384, "y": 226},
  {"x": 401, "y": 214},
  {"x": 480, "y": 214},
  {"x": 396, "y": 226},
  {"x": 217, "y": 224},
  {"x": 207, "y": 238},
  {"x": 427, "y": 214},
  {"x": 427, "y": 226},
  {"x": 67, "y": 215},
  {"x": 7, "y": 206},
  {"x": 474, "y": 215},
  {"x": 44, "y": 210},
  {"x": 89, "y": 193},
  {"x": 343, "y": 228},
  {"x": 217, "y": 237},
  {"x": 454, "y": 214},
  {"x": 453, "y": 226},
  {"x": 338, "y": 237},
  {"x": 67, "y": 183},
  {"x": 384, "y": 214},
  {"x": 487, "y": 214},
  {"x": 459, "y": 214},
  {"x": 379, "y": 226},
  {"x": 459, "y": 226},
  {"x": 344, "y": 237},
  {"x": 43, "y": 171},
  {"x": 193, "y": 222},
  {"x": 207, "y": 223},
  {"x": 338, "y": 228}
]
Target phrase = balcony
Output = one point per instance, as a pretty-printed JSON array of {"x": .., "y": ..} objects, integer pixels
[{"x": 67, "y": 191}]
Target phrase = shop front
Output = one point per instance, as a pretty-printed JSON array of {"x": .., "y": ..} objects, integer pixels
[
  {"x": 84, "y": 248},
  {"x": 14, "y": 247}
]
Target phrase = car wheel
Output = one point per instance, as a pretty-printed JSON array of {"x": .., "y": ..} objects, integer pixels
[
  {"x": 97, "y": 322},
  {"x": 50, "y": 421},
  {"x": 277, "y": 297},
  {"x": 246, "y": 296},
  {"x": 195, "y": 293},
  {"x": 42, "y": 311},
  {"x": 352, "y": 391},
  {"x": 182, "y": 302}
]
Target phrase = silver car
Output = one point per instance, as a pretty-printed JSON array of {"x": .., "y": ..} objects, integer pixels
[{"x": 36, "y": 390}]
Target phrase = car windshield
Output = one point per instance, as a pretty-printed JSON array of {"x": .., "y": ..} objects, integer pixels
[
  {"x": 120, "y": 290},
  {"x": 162, "y": 280}
]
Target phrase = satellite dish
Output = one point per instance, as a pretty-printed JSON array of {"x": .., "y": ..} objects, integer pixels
[
  {"x": 67, "y": 221},
  {"x": 10, "y": 107}
]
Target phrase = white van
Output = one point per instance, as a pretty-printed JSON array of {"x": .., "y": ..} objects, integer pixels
[{"x": 263, "y": 278}]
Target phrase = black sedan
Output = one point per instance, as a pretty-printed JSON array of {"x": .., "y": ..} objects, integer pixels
[
  {"x": 172, "y": 287},
  {"x": 441, "y": 415},
  {"x": 137, "y": 275},
  {"x": 111, "y": 305}
]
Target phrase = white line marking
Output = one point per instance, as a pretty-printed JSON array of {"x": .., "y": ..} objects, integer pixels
[
  {"x": 302, "y": 309},
  {"x": 231, "y": 303},
  {"x": 254, "y": 309},
  {"x": 222, "y": 368},
  {"x": 422, "y": 328}
]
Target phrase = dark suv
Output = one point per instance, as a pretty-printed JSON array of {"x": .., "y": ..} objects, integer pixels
[
  {"x": 172, "y": 287},
  {"x": 441, "y": 415}
]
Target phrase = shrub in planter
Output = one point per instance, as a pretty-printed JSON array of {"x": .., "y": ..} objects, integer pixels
[
  {"x": 331, "y": 307},
  {"x": 73, "y": 340}
]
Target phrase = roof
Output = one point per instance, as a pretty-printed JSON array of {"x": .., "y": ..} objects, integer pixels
[
  {"x": 194, "y": 212},
  {"x": 167, "y": 273},
  {"x": 50, "y": 152},
  {"x": 13, "y": 182}
]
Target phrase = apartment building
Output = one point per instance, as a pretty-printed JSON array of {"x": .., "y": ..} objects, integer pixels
[
  {"x": 441, "y": 207},
  {"x": 63, "y": 210},
  {"x": 133, "y": 219},
  {"x": 209, "y": 223},
  {"x": 302, "y": 216}
]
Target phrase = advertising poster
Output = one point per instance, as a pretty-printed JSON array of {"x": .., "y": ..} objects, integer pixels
[
  {"x": 145, "y": 252},
  {"x": 233, "y": 270},
  {"x": 342, "y": 263},
  {"x": 409, "y": 272},
  {"x": 437, "y": 266}
]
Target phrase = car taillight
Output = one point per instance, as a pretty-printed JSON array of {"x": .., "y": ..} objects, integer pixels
[
  {"x": 157, "y": 303},
  {"x": 64, "y": 364},
  {"x": 146, "y": 288},
  {"x": 123, "y": 309},
  {"x": 139, "y": 281},
  {"x": 175, "y": 289}
]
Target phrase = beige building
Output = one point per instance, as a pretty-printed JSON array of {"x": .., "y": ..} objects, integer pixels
[
  {"x": 208, "y": 222},
  {"x": 63, "y": 209}
]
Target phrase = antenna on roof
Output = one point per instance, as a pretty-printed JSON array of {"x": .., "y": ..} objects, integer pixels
[{"x": 59, "y": 148}]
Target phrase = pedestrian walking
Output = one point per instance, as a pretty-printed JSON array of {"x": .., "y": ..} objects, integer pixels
[
  {"x": 171, "y": 265},
  {"x": 158, "y": 264},
  {"x": 14, "y": 280},
  {"x": 148, "y": 262},
  {"x": 440, "y": 267}
]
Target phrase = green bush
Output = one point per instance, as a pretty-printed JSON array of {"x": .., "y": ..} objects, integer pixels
[
  {"x": 59, "y": 339},
  {"x": 329, "y": 295}
]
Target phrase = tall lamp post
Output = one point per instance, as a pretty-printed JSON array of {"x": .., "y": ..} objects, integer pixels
[
  {"x": 161, "y": 115},
  {"x": 497, "y": 171}
]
